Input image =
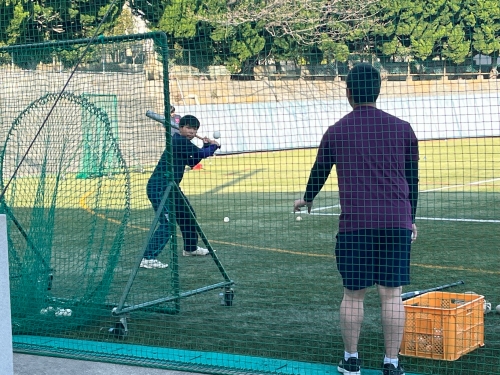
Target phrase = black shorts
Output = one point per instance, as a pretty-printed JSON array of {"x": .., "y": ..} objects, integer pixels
[{"x": 374, "y": 256}]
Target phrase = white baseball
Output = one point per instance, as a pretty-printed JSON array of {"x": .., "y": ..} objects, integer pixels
[
  {"x": 63, "y": 312},
  {"x": 217, "y": 135},
  {"x": 226, "y": 220},
  {"x": 497, "y": 309},
  {"x": 487, "y": 307},
  {"x": 59, "y": 312},
  {"x": 298, "y": 218}
]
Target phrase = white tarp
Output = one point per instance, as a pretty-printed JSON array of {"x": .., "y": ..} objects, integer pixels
[{"x": 300, "y": 124}]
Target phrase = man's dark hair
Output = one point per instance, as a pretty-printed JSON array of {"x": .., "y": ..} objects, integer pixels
[
  {"x": 189, "y": 120},
  {"x": 363, "y": 81}
]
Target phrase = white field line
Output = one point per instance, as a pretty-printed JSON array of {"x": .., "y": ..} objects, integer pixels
[
  {"x": 465, "y": 220},
  {"x": 325, "y": 208},
  {"x": 425, "y": 218},
  {"x": 314, "y": 211},
  {"x": 318, "y": 209},
  {"x": 457, "y": 186}
]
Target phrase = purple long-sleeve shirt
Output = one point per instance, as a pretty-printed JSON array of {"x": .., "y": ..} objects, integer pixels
[{"x": 372, "y": 151}]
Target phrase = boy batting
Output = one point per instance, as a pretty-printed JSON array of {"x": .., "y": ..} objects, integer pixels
[{"x": 184, "y": 153}]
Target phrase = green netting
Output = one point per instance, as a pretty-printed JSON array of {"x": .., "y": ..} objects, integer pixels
[
  {"x": 53, "y": 274},
  {"x": 267, "y": 81},
  {"x": 91, "y": 159}
]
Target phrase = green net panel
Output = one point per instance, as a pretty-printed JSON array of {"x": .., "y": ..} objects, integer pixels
[
  {"x": 91, "y": 159},
  {"x": 266, "y": 81},
  {"x": 55, "y": 274}
]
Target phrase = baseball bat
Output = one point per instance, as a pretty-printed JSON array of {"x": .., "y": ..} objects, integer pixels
[
  {"x": 155, "y": 116},
  {"x": 415, "y": 293}
]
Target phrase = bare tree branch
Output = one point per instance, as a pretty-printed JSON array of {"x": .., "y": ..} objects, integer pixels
[{"x": 306, "y": 20}]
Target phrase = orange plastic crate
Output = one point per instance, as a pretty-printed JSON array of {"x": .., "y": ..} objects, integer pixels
[{"x": 442, "y": 325}]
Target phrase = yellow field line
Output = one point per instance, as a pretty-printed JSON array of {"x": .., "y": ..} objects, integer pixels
[
  {"x": 84, "y": 206},
  {"x": 457, "y": 268},
  {"x": 275, "y": 250}
]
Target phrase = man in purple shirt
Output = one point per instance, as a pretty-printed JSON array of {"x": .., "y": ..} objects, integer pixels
[{"x": 376, "y": 159}]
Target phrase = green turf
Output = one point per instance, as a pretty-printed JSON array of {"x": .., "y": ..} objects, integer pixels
[{"x": 287, "y": 291}]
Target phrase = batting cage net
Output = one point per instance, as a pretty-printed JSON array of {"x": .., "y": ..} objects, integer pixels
[{"x": 235, "y": 187}]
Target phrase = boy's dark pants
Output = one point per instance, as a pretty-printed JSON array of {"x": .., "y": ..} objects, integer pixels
[{"x": 186, "y": 222}]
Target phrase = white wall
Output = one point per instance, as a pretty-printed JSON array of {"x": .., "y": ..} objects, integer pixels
[{"x": 298, "y": 124}]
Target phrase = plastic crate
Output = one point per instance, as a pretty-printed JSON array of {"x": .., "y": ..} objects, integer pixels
[{"x": 443, "y": 326}]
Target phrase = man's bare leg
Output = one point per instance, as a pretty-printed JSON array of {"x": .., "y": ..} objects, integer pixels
[
  {"x": 393, "y": 319},
  {"x": 351, "y": 318}
]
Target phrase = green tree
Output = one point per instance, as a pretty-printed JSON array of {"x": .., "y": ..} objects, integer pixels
[
  {"x": 124, "y": 24},
  {"x": 418, "y": 26},
  {"x": 240, "y": 46},
  {"x": 23, "y": 22},
  {"x": 333, "y": 51},
  {"x": 484, "y": 21},
  {"x": 185, "y": 30},
  {"x": 457, "y": 47},
  {"x": 240, "y": 33},
  {"x": 452, "y": 29}
]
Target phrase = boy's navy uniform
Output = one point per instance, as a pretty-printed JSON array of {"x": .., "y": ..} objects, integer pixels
[{"x": 184, "y": 153}]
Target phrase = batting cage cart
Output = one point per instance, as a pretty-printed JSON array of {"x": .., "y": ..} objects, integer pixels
[{"x": 73, "y": 182}]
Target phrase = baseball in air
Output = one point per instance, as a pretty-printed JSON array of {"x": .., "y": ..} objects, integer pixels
[
  {"x": 298, "y": 218},
  {"x": 226, "y": 220},
  {"x": 498, "y": 309},
  {"x": 217, "y": 135}
]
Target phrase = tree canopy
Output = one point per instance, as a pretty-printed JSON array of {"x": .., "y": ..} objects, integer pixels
[
  {"x": 27, "y": 22},
  {"x": 243, "y": 33},
  {"x": 239, "y": 33}
]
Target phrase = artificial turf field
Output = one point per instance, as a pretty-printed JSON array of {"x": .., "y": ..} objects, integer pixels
[{"x": 287, "y": 289}]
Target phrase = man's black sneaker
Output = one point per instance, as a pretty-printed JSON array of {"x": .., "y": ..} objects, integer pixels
[
  {"x": 350, "y": 367},
  {"x": 390, "y": 369}
]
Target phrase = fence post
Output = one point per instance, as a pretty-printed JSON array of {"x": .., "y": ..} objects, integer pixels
[{"x": 6, "y": 361}]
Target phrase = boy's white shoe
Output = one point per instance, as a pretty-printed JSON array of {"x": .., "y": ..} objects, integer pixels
[
  {"x": 200, "y": 251},
  {"x": 152, "y": 263}
]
